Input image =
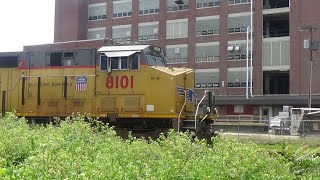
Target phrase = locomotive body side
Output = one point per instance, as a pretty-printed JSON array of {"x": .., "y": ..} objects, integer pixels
[{"x": 127, "y": 86}]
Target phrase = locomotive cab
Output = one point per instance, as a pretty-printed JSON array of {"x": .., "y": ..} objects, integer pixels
[{"x": 137, "y": 85}]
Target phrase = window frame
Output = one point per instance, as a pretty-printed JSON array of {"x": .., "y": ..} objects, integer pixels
[
  {"x": 155, "y": 10},
  {"x": 127, "y": 27},
  {"x": 210, "y": 44},
  {"x": 154, "y": 35},
  {"x": 104, "y": 29},
  {"x": 175, "y": 23},
  {"x": 124, "y": 14},
  {"x": 200, "y": 5},
  {"x": 238, "y": 84},
  {"x": 100, "y": 16},
  {"x": 241, "y": 28},
  {"x": 129, "y": 62},
  {"x": 214, "y": 84},
  {"x": 238, "y": 3},
  {"x": 205, "y": 32},
  {"x": 183, "y": 60}
]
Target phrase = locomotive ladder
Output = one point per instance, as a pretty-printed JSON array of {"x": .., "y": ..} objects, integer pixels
[{"x": 193, "y": 121}]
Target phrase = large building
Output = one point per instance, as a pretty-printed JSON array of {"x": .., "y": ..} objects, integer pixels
[{"x": 211, "y": 37}]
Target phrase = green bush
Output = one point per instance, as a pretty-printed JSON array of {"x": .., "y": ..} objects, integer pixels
[{"x": 75, "y": 149}]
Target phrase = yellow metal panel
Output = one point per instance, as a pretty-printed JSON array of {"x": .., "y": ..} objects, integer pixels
[
  {"x": 107, "y": 104},
  {"x": 131, "y": 103},
  {"x": 88, "y": 105},
  {"x": 52, "y": 106}
]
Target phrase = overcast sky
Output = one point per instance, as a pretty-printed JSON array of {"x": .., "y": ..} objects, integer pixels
[{"x": 25, "y": 22}]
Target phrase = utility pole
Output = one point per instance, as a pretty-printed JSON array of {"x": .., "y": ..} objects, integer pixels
[{"x": 312, "y": 46}]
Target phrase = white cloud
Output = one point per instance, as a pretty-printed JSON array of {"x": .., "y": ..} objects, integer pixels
[{"x": 25, "y": 22}]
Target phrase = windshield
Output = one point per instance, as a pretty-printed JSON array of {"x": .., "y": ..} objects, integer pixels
[{"x": 154, "y": 60}]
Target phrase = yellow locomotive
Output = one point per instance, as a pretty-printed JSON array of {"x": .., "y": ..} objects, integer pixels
[{"x": 128, "y": 86}]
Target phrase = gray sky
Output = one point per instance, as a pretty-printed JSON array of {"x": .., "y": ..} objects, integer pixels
[{"x": 25, "y": 22}]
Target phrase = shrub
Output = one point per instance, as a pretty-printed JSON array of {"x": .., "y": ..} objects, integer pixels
[{"x": 78, "y": 149}]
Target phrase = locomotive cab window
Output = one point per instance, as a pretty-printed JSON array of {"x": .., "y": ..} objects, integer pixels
[
  {"x": 56, "y": 59},
  {"x": 119, "y": 63},
  {"x": 154, "y": 56},
  {"x": 62, "y": 59},
  {"x": 155, "y": 60},
  {"x": 68, "y": 59},
  {"x": 135, "y": 61},
  {"x": 8, "y": 61}
]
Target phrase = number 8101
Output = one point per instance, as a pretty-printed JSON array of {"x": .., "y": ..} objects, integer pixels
[{"x": 119, "y": 82}]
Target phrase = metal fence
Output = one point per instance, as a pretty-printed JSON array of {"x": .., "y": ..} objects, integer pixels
[
  {"x": 267, "y": 132},
  {"x": 254, "y": 125}
]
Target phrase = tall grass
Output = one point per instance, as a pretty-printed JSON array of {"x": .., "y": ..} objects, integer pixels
[{"x": 76, "y": 149}]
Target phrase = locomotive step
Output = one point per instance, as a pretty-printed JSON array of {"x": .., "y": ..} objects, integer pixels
[
  {"x": 188, "y": 120},
  {"x": 188, "y": 128}
]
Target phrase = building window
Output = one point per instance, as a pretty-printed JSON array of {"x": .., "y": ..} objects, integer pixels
[
  {"x": 148, "y": 31},
  {"x": 238, "y": 109},
  {"x": 177, "y": 28},
  {"x": 276, "y": 52},
  {"x": 238, "y": 23},
  {"x": 239, "y": 1},
  {"x": 122, "y": 8},
  {"x": 121, "y": 33},
  {"x": 176, "y": 54},
  {"x": 177, "y": 5},
  {"x": 207, "y": 78},
  {"x": 97, "y": 11},
  {"x": 207, "y": 3},
  {"x": 237, "y": 77},
  {"x": 237, "y": 50},
  {"x": 207, "y": 52},
  {"x": 207, "y": 26},
  {"x": 96, "y": 33},
  {"x": 148, "y": 7}
]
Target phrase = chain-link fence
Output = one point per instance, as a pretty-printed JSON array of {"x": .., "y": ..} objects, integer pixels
[{"x": 268, "y": 130}]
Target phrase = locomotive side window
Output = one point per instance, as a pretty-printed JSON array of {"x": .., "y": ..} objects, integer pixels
[
  {"x": 155, "y": 60},
  {"x": 114, "y": 63},
  {"x": 68, "y": 59},
  {"x": 124, "y": 63},
  {"x": 135, "y": 61},
  {"x": 56, "y": 59},
  {"x": 120, "y": 63},
  {"x": 8, "y": 61},
  {"x": 103, "y": 63},
  {"x": 62, "y": 59}
]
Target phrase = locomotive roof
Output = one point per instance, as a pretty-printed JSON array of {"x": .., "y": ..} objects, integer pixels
[
  {"x": 122, "y": 48},
  {"x": 172, "y": 70}
]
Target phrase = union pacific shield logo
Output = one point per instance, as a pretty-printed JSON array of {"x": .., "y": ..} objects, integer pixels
[{"x": 81, "y": 84}]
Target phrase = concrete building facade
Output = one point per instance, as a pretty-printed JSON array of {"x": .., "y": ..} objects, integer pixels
[{"x": 211, "y": 37}]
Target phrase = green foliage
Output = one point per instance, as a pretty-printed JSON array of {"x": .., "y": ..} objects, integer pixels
[
  {"x": 304, "y": 162},
  {"x": 80, "y": 147}
]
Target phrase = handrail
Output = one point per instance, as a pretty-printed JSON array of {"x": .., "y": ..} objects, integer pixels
[
  {"x": 195, "y": 117},
  {"x": 185, "y": 101}
]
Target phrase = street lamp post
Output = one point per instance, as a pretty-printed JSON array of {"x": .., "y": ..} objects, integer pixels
[{"x": 312, "y": 47}]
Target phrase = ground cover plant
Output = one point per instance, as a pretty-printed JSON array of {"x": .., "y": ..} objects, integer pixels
[{"x": 75, "y": 149}]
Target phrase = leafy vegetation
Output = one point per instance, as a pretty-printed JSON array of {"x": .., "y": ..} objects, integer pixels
[{"x": 75, "y": 149}]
